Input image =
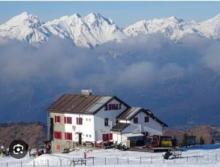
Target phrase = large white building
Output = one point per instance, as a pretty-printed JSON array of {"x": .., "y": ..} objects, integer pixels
[{"x": 83, "y": 118}]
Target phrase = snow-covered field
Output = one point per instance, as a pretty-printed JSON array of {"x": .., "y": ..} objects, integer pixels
[{"x": 198, "y": 157}]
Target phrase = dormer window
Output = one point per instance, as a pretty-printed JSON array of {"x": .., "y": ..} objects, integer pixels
[{"x": 113, "y": 107}]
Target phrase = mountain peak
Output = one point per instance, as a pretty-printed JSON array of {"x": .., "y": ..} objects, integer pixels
[
  {"x": 24, "y": 18},
  {"x": 94, "y": 17},
  {"x": 76, "y": 15},
  {"x": 94, "y": 29},
  {"x": 175, "y": 19},
  {"x": 24, "y": 15}
]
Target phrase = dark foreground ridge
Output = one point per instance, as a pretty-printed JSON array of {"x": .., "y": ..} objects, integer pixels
[{"x": 33, "y": 133}]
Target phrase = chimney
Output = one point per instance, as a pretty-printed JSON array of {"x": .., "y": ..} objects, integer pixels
[{"x": 86, "y": 92}]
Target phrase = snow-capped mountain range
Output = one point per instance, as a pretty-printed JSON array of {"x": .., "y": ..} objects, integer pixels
[{"x": 94, "y": 29}]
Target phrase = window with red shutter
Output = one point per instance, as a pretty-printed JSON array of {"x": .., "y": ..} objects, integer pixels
[
  {"x": 104, "y": 137},
  {"x": 107, "y": 136},
  {"x": 68, "y": 136},
  {"x": 57, "y": 135},
  {"x": 67, "y": 120},
  {"x": 136, "y": 120},
  {"x": 57, "y": 119},
  {"x": 110, "y": 136}
]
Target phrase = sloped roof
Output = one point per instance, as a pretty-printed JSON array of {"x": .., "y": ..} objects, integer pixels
[
  {"x": 72, "y": 103},
  {"x": 129, "y": 113},
  {"x": 119, "y": 127},
  {"x": 133, "y": 111}
]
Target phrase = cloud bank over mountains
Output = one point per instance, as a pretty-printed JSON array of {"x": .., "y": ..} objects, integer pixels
[{"x": 176, "y": 79}]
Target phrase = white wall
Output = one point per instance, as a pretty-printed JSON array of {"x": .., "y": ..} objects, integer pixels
[
  {"x": 152, "y": 127},
  {"x": 87, "y": 128},
  {"x": 111, "y": 115},
  {"x": 119, "y": 138}
]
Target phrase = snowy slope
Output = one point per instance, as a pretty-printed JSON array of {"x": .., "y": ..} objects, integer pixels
[
  {"x": 171, "y": 27},
  {"x": 94, "y": 29},
  {"x": 87, "y": 31},
  {"x": 210, "y": 28},
  {"x": 24, "y": 27},
  {"x": 111, "y": 157}
]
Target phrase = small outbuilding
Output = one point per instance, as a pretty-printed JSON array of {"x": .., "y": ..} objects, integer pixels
[{"x": 134, "y": 125}]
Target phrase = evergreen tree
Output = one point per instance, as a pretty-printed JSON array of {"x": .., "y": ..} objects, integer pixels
[
  {"x": 201, "y": 141},
  {"x": 184, "y": 142},
  {"x": 213, "y": 141}
]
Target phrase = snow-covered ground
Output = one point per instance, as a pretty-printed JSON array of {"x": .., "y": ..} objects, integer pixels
[{"x": 198, "y": 157}]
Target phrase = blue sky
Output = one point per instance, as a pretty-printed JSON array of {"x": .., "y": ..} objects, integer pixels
[{"x": 123, "y": 13}]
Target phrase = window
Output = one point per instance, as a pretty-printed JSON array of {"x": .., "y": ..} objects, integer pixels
[
  {"x": 104, "y": 137},
  {"x": 79, "y": 121},
  {"x": 106, "y": 121},
  {"x": 57, "y": 118},
  {"x": 146, "y": 119},
  {"x": 110, "y": 136},
  {"x": 107, "y": 136},
  {"x": 57, "y": 135},
  {"x": 68, "y": 136},
  {"x": 88, "y": 119},
  {"x": 67, "y": 120},
  {"x": 136, "y": 120},
  {"x": 113, "y": 107}
]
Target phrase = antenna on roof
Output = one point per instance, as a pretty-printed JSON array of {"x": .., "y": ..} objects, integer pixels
[{"x": 86, "y": 92}]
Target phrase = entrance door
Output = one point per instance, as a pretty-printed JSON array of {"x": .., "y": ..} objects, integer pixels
[{"x": 80, "y": 138}]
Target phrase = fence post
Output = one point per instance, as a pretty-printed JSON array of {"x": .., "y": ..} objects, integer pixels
[
  {"x": 7, "y": 164},
  {"x": 21, "y": 163},
  {"x": 117, "y": 161},
  {"x": 127, "y": 160},
  {"x": 33, "y": 163},
  {"x": 93, "y": 161},
  {"x": 105, "y": 160},
  {"x": 151, "y": 160},
  {"x": 47, "y": 163},
  {"x": 140, "y": 160},
  {"x": 61, "y": 163},
  {"x": 187, "y": 158},
  {"x": 216, "y": 157}
]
